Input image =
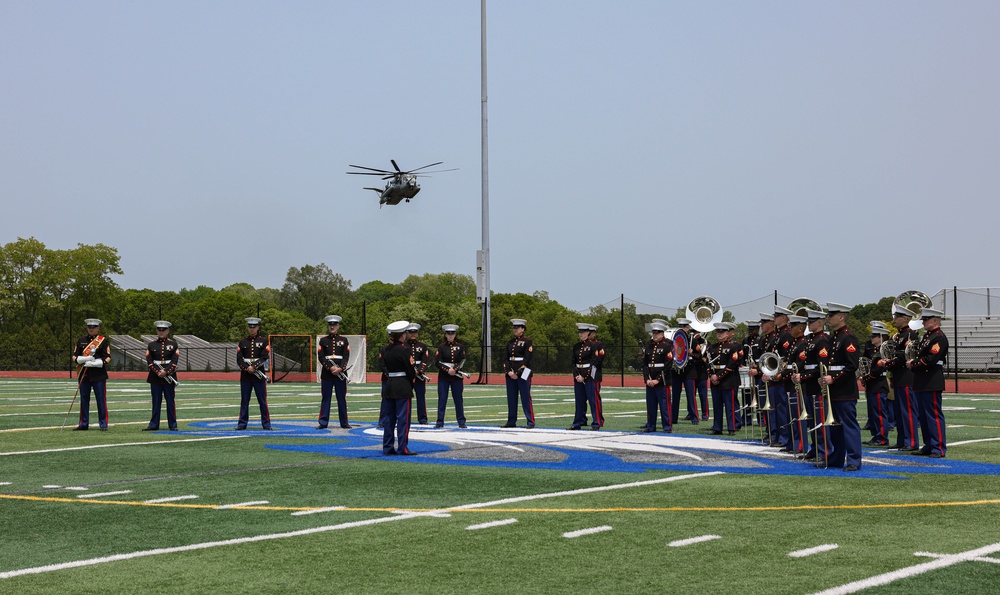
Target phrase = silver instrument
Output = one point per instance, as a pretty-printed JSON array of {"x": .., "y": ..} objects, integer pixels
[
  {"x": 864, "y": 368},
  {"x": 703, "y": 312},
  {"x": 170, "y": 379},
  {"x": 914, "y": 301}
]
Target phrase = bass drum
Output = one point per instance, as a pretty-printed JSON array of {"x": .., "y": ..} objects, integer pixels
[{"x": 681, "y": 342}]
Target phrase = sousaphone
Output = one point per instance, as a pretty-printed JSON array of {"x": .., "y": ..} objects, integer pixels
[
  {"x": 914, "y": 301},
  {"x": 703, "y": 312}
]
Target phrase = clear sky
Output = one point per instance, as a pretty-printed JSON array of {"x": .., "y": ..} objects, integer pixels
[{"x": 838, "y": 150}]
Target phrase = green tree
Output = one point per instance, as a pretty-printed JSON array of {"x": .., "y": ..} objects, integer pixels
[{"x": 311, "y": 289}]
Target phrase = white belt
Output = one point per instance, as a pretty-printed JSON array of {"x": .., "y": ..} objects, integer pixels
[
  {"x": 517, "y": 359},
  {"x": 836, "y": 368},
  {"x": 720, "y": 367},
  {"x": 811, "y": 366},
  {"x": 940, "y": 362},
  {"x": 334, "y": 357},
  {"x": 418, "y": 362},
  {"x": 583, "y": 365},
  {"x": 162, "y": 362},
  {"x": 657, "y": 365},
  {"x": 396, "y": 374}
]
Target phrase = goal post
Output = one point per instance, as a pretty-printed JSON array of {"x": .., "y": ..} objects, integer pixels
[
  {"x": 292, "y": 358},
  {"x": 359, "y": 357}
]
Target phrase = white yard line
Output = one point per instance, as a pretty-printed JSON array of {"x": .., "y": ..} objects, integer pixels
[
  {"x": 895, "y": 575},
  {"x": 317, "y": 510},
  {"x": 491, "y": 524},
  {"x": 251, "y": 503},
  {"x": 813, "y": 550},
  {"x": 32, "y": 452},
  {"x": 979, "y": 559},
  {"x": 591, "y": 531},
  {"x": 693, "y": 540},
  {"x": 102, "y": 494},
  {"x": 171, "y": 499},
  {"x": 324, "y": 529},
  {"x": 972, "y": 441}
]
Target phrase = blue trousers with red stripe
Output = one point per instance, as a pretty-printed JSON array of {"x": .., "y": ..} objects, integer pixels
[
  {"x": 583, "y": 393},
  {"x": 327, "y": 386},
  {"x": 100, "y": 389},
  {"x": 396, "y": 433},
  {"x": 656, "y": 398},
  {"x": 725, "y": 406},
  {"x": 259, "y": 388},
  {"x": 846, "y": 436},
  {"x": 676, "y": 383},
  {"x": 161, "y": 392},
  {"x": 519, "y": 387},
  {"x": 932, "y": 422},
  {"x": 907, "y": 413},
  {"x": 878, "y": 415}
]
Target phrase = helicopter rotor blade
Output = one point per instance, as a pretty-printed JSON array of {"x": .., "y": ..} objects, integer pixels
[
  {"x": 393, "y": 161},
  {"x": 370, "y": 173},
  {"x": 381, "y": 171},
  {"x": 435, "y": 171},
  {"x": 424, "y": 167}
]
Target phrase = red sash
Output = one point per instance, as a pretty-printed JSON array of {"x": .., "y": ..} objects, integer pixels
[{"x": 93, "y": 345}]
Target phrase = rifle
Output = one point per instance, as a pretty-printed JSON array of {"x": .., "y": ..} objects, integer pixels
[{"x": 457, "y": 368}]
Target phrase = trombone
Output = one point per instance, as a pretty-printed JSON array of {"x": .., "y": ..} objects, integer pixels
[
  {"x": 770, "y": 365},
  {"x": 828, "y": 419}
]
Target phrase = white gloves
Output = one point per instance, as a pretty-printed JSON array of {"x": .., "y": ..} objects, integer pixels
[
  {"x": 94, "y": 363},
  {"x": 83, "y": 359}
]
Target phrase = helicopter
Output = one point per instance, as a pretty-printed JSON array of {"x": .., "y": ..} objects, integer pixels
[{"x": 401, "y": 185}]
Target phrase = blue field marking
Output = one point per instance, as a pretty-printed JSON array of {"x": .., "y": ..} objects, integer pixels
[{"x": 451, "y": 446}]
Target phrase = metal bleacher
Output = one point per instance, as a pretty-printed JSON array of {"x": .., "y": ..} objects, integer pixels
[
  {"x": 196, "y": 354},
  {"x": 977, "y": 343}
]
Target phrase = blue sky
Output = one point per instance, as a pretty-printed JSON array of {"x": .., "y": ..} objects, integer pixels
[{"x": 843, "y": 151}]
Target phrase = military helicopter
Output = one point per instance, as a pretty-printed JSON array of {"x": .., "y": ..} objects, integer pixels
[{"x": 401, "y": 185}]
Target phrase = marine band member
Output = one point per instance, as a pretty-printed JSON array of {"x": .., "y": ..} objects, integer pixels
[
  {"x": 92, "y": 354},
  {"x": 843, "y": 382},
  {"x": 253, "y": 355},
  {"x": 334, "y": 353},
  {"x": 517, "y": 368},
  {"x": 162, "y": 356},
  {"x": 928, "y": 382}
]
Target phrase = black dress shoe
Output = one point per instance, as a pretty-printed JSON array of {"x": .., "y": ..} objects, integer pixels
[
  {"x": 408, "y": 453},
  {"x": 809, "y": 458},
  {"x": 439, "y": 425},
  {"x": 573, "y": 428},
  {"x": 241, "y": 428},
  {"x": 103, "y": 429},
  {"x": 531, "y": 426},
  {"x": 389, "y": 454},
  {"x": 346, "y": 427},
  {"x": 173, "y": 429},
  {"x": 595, "y": 428},
  {"x": 920, "y": 453},
  {"x": 463, "y": 426},
  {"x": 644, "y": 429},
  {"x": 80, "y": 429},
  {"x": 509, "y": 426},
  {"x": 716, "y": 432},
  {"x": 852, "y": 468},
  {"x": 320, "y": 427},
  {"x": 935, "y": 455},
  {"x": 268, "y": 428},
  {"x": 151, "y": 429}
]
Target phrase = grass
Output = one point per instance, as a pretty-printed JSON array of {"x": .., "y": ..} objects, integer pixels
[{"x": 759, "y": 518}]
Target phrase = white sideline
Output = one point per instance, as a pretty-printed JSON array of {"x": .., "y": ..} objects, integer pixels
[
  {"x": 884, "y": 579},
  {"x": 979, "y": 559},
  {"x": 351, "y": 525},
  {"x": 171, "y": 499},
  {"x": 102, "y": 494},
  {"x": 32, "y": 452}
]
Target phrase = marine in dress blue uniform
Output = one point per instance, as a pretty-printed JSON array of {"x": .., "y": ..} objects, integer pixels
[
  {"x": 876, "y": 387},
  {"x": 928, "y": 382},
  {"x": 598, "y": 373},
  {"x": 657, "y": 363},
  {"x": 782, "y": 345},
  {"x": 684, "y": 378},
  {"x": 334, "y": 354},
  {"x": 252, "y": 356},
  {"x": 845, "y": 435},
  {"x": 92, "y": 354},
  {"x": 449, "y": 358},
  {"x": 798, "y": 427},
  {"x": 399, "y": 391},
  {"x": 517, "y": 369},
  {"x": 749, "y": 344},
  {"x": 767, "y": 336},
  {"x": 905, "y": 409},
  {"x": 698, "y": 366},
  {"x": 421, "y": 359},
  {"x": 162, "y": 356},
  {"x": 726, "y": 358},
  {"x": 583, "y": 379},
  {"x": 816, "y": 352}
]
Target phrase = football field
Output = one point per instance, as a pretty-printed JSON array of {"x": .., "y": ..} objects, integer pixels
[{"x": 480, "y": 510}]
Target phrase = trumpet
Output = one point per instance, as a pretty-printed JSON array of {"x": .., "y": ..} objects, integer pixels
[
  {"x": 343, "y": 374},
  {"x": 170, "y": 379},
  {"x": 458, "y": 368},
  {"x": 260, "y": 368}
]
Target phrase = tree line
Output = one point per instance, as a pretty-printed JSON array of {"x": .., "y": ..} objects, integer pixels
[{"x": 46, "y": 294}]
